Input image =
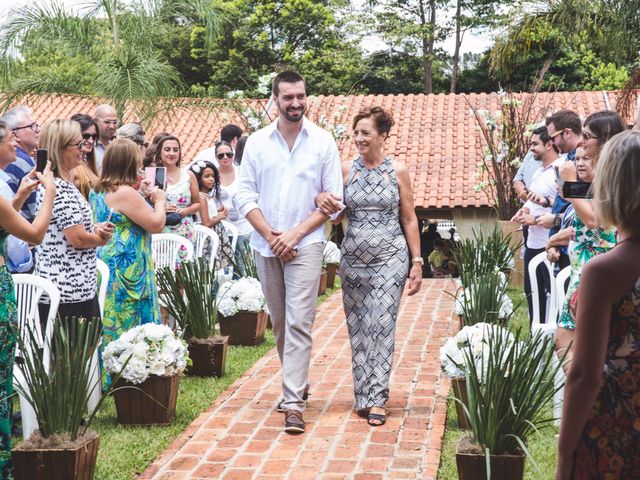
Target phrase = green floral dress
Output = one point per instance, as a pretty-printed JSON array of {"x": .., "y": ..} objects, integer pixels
[
  {"x": 8, "y": 338},
  {"x": 132, "y": 296},
  {"x": 587, "y": 244}
]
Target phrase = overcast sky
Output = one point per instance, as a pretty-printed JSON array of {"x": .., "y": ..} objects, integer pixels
[{"x": 472, "y": 43}]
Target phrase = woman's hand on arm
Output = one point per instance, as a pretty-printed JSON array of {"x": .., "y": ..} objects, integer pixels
[
  {"x": 410, "y": 225},
  {"x": 78, "y": 237}
]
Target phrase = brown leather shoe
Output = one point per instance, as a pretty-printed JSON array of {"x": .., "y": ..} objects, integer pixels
[{"x": 293, "y": 421}]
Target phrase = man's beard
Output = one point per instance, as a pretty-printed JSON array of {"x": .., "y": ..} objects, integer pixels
[{"x": 291, "y": 118}]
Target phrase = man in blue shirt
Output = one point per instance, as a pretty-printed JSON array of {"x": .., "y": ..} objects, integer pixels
[{"x": 25, "y": 135}]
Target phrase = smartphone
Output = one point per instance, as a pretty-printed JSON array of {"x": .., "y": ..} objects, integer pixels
[
  {"x": 150, "y": 176},
  {"x": 42, "y": 156},
  {"x": 161, "y": 177},
  {"x": 576, "y": 190}
]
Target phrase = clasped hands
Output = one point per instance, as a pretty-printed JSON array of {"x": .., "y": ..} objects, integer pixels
[
  {"x": 523, "y": 217},
  {"x": 283, "y": 244}
]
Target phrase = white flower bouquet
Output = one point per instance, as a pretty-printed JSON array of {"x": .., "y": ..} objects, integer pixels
[
  {"x": 331, "y": 254},
  {"x": 452, "y": 353},
  {"x": 242, "y": 294},
  {"x": 154, "y": 350},
  {"x": 465, "y": 297}
]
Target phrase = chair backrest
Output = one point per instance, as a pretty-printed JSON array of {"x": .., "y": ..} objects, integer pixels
[
  {"x": 202, "y": 235},
  {"x": 103, "y": 270},
  {"x": 165, "y": 248},
  {"x": 29, "y": 289},
  {"x": 540, "y": 259},
  {"x": 232, "y": 231},
  {"x": 562, "y": 286}
]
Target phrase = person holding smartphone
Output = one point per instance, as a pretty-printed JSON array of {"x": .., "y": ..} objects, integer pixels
[{"x": 588, "y": 238}]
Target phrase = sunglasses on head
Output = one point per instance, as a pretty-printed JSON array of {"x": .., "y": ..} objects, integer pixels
[
  {"x": 220, "y": 156},
  {"x": 87, "y": 136}
]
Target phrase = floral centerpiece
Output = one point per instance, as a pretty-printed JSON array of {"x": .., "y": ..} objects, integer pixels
[
  {"x": 243, "y": 311},
  {"x": 151, "y": 359}
]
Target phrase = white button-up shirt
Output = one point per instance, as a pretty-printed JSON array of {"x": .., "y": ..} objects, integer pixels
[
  {"x": 543, "y": 183},
  {"x": 283, "y": 183}
]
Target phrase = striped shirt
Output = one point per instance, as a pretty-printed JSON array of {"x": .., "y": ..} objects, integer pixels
[{"x": 15, "y": 171}]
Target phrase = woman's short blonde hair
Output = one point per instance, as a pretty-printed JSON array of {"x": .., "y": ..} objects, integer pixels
[
  {"x": 55, "y": 136},
  {"x": 119, "y": 166},
  {"x": 616, "y": 191}
]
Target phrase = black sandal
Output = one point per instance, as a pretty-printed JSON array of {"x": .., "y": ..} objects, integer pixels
[{"x": 376, "y": 419}]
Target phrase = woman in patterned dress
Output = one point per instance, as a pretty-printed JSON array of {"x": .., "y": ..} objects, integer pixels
[
  {"x": 11, "y": 222},
  {"x": 375, "y": 257},
  {"x": 132, "y": 297},
  {"x": 183, "y": 196},
  {"x": 589, "y": 238},
  {"x": 67, "y": 255},
  {"x": 600, "y": 429}
]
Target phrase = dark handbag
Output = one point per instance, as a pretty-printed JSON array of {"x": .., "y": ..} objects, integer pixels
[{"x": 173, "y": 218}]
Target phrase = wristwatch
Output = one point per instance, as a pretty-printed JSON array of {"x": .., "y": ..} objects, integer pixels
[
  {"x": 419, "y": 260},
  {"x": 557, "y": 220}
]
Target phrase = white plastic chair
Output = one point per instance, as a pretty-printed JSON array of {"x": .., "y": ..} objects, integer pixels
[
  {"x": 232, "y": 231},
  {"x": 29, "y": 289},
  {"x": 165, "y": 248},
  {"x": 203, "y": 234},
  {"x": 94, "y": 381},
  {"x": 562, "y": 286},
  {"x": 549, "y": 320},
  {"x": 561, "y": 283}
]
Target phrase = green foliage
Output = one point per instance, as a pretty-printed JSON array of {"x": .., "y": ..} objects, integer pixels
[
  {"x": 509, "y": 390},
  {"x": 482, "y": 300},
  {"x": 59, "y": 384},
  {"x": 190, "y": 296}
]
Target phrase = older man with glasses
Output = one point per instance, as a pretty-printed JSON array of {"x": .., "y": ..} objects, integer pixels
[
  {"x": 107, "y": 119},
  {"x": 25, "y": 135}
]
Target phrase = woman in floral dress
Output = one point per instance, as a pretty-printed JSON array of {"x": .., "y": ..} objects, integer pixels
[
  {"x": 600, "y": 429},
  {"x": 132, "y": 297},
  {"x": 11, "y": 222}
]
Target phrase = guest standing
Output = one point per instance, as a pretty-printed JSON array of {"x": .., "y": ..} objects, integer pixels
[
  {"x": 599, "y": 436},
  {"x": 67, "y": 255},
  {"x": 85, "y": 175},
  {"x": 132, "y": 297},
  {"x": 380, "y": 240},
  {"x": 11, "y": 223}
]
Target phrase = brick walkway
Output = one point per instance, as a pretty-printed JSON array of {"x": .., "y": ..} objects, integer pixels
[{"x": 241, "y": 436}]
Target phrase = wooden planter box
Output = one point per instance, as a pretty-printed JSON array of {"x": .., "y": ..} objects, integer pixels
[
  {"x": 459, "y": 385},
  {"x": 244, "y": 328},
  {"x": 323, "y": 283},
  {"x": 149, "y": 403},
  {"x": 208, "y": 356},
  {"x": 332, "y": 268},
  {"x": 56, "y": 464},
  {"x": 472, "y": 465}
]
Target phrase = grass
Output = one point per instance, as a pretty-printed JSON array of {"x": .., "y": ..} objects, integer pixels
[{"x": 542, "y": 445}]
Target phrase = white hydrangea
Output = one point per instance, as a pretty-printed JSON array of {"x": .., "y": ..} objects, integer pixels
[
  {"x": 242, "y": 294},
  {"x": 331, "y": 253},
  {"x": 464, "y": 296},
  {"x": 452, "y": 357},
  {"x": 151, "y": 350}
]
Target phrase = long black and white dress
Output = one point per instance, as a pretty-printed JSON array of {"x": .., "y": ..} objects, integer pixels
[{"x": 374, "y": 268}]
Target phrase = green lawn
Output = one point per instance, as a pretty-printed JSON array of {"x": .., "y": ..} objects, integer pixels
[{"x": 542, "y": 446}]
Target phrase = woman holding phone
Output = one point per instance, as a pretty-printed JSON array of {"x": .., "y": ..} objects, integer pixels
[
  {"x": 12, "y": 223},
  {"x": 132, "y": 297},
  {"x": 183, "y": 196}
]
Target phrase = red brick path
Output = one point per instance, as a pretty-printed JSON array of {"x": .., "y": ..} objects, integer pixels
[{"x": 241, "y": 436}]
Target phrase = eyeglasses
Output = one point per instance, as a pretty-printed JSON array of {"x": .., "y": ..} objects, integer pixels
[
  {"x": 220, "y": 156},
  {"x": 77, "y": 145},
  {"x": 113, "y": 123},
  {"x": 587, "y": 135},
  {"x": 33, "y": 126},
  {"x": 556, "y": 134},
  {"x": 87, "y": 136}
]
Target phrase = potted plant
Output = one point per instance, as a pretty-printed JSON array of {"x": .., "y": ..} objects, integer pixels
[
  {"x": 57, "y": 385},
  {"x": 485, "y": 299},
  {"x": 190, "y": 298},
  {"x": 243, "y": 311},
  {"x": 331, "y": 262},
  {"x": 453, "y": 361},
  {"x": 150, "y": 359},
  {"x": 510, "y": 388}
]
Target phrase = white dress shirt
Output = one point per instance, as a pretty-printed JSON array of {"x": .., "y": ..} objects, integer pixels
[
  {"x": 283, "y": 184},
  {"x": 543, "y": 183}
]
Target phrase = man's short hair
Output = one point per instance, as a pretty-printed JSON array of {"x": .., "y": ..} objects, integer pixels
[
  {"x": 3, "y": 130},
  {"x": 565, "y": 119},
  {"x": 229, "y": 132},
  {"x": 543, "y": 133},
  {"x": 287, "y": 76},
  {"x": 13, "y": 117}
]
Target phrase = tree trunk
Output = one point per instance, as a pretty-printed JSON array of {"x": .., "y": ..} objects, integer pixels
[
  {"x": 455, "y": 68},
  {"x": 428, "y": 42}
]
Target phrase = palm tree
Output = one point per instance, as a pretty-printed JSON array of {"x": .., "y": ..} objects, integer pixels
[{"x": 115, "y": 38}]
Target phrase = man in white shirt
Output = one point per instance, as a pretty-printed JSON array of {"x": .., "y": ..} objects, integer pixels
[
  {"x": 542, "y": 193},
  {"x": 285, "y": 165}
]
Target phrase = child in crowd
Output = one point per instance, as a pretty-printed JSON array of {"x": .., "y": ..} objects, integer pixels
[{"x": 437, "y": 259}]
